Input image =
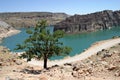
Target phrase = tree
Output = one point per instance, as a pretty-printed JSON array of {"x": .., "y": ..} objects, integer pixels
[{"x": 41, "y": 43}]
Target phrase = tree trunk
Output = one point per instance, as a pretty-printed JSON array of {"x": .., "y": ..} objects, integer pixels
[{"x": 45, "y": 62}]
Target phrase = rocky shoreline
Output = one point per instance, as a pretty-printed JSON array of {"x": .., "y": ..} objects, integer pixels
[
  {"x": 6, "y": 30},
  {"x": 9, "y": 33}
]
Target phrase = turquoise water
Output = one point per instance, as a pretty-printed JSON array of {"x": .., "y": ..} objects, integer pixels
[{"x": 78, "y": 42}]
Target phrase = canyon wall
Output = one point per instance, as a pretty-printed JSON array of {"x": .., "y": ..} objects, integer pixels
[{"x": 89, "y": 22}]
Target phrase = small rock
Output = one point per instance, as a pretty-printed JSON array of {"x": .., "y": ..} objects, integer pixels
[
  {"x": 14, "y": 60},
  {"x": 84, "y": 50},
  {"x": 29, "y": 67},
  {"x": 111, "y": 67},
  {"x": 115, "y": 52},
  {"x": 14, "y": 71},
  {"x": 104, "y": 63},
  {"x": 68, "y": 64},
  {"x": 118, "y": 43},
  {"x": 98, "y": 53},
  {"x": 89, "y": 70},
  {"x": 117, "y": 73},
  {"x": 103, "y": 50},
  {"x": 74, "y": 74},
  {"x": 55, "y": 66},
  {"x": 18, "y": 62},
  {"x": 91, "y": 62},
  {"x": 81, "y": 71},
  {"x": 1, "y": 64},
  {"x": 106, "y": 55},
  {"x": 75, "y": 68}
]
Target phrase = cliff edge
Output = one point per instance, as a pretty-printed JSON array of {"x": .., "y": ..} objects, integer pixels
[{"x": 89, "y": 22}]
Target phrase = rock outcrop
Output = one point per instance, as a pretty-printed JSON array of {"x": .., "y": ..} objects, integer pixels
[
  {"x": 28, "y": 19},
  {"x": 90, "y": 22},
  {"x": 6, "y": 30}
]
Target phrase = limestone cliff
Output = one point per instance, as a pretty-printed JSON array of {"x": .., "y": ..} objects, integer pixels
[{"x": 89, "y": 22}]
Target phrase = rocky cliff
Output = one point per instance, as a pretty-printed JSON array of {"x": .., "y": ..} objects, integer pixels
[
  {"x": 4, "y": 27},
  {"x": 6, "y": 30},
  {"x": 27, "y": 19},
  {"x": 90, "y": 22}
]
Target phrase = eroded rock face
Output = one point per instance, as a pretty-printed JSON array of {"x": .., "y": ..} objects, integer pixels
[
  {"x": 4, "y": 27},
  {"x": 6, "y": 30},
  {"x": 90, "y": 22}
]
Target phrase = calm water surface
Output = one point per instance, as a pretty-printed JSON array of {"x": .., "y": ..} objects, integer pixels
[{"x": 78, "y": 42}]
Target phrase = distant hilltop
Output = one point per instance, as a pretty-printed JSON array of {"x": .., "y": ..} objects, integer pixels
[
  {"x": 28, "y": 19},
  {"x": 89, "y": 22}
]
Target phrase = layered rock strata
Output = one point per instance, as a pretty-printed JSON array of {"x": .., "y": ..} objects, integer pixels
[{"x": 89, "y": 22}]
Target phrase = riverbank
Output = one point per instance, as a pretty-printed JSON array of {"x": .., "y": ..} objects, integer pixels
[
  {"x": 96, "y": 47},
  {"x": 9, "y": 33}
]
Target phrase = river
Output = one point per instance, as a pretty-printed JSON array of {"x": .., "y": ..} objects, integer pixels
[{"x": 78, "y": 42}]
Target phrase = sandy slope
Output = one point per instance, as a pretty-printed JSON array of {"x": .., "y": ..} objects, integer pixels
[{"x": 90, "y": 51}]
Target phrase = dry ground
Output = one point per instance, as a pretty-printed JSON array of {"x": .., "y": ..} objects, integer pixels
[{"x": 104, "y": 65}]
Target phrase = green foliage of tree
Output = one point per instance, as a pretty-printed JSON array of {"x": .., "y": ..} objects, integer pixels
[{"x": 43, "y": 44}]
